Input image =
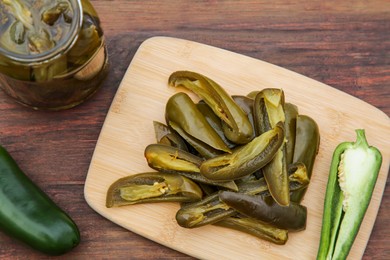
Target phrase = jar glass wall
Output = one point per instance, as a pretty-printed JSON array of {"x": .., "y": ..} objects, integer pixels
[{"x": 52, "y": 53}]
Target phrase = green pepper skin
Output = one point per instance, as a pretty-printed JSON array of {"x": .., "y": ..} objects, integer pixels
[
  {"x": 307, "y": 142},
  {"x": 292, "y": 217},
  {"x": 291, "y": 113},
  {"x": 253, "y": 94},
  {"x": 246, "y": 105},
  {"x": 236, "y": 125},
  {"x": 353, "y": 173},
  {"x": 29, "y": 215}
]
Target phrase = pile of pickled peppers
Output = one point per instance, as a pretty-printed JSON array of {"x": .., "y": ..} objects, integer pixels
[{"x": 240, "y": 162}]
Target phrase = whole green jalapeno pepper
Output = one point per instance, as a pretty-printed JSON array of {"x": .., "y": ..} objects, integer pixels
[
  {"x": 307, "y": 142},
  {"x": 152, "y": 187},
  {"x": 352, "y": 177},
  {"x": 236, "y": 124},
  {"x": 29, "y": 215}
]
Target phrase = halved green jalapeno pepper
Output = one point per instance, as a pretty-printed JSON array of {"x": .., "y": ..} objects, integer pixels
[
  {"x": 152, "y": 187},
  {"x": 29, "y": 215},
  {"x": 307, "y": 142},
  {"x": 256, "y": 228},
  {"x": 268, "y": 111},
  {"x": 291, "y": 217},
  {"x": 173, "y": 160},
  {"x": 182, "y": 114},
  {"x": 246, "y": 159},
  {"x": 237, "y": 127},
  {"x": 352, "y": 177}
]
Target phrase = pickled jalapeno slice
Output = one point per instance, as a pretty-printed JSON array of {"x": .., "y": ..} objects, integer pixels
[
  {"x": 182, "y": 115},
  {"x": 269, "y": 111},
  {"x": 255, "y": 228},
  {"x": 245, "y": 160},
  {"x": 242, "y": 153},
  {"x": 236, "y": 124},
  {"x": 152, "y": 187},
  {"x": 36, "y": 27},
  {"x": 169, "y": 159}
]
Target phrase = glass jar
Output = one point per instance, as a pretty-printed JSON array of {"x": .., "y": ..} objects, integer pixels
[{"x": 52, "y": 53}]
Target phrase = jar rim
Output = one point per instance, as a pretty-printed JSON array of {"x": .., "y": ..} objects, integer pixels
[{"x": 58, "y": 49}]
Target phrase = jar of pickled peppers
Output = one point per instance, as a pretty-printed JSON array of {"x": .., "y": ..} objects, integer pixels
[{"x": 52, "y": 52}]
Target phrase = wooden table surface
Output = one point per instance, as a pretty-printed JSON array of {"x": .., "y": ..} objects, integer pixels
[{"x": 345, "y": 44}]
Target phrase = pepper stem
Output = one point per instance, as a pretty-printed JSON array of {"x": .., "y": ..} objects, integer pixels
[{"x": 361, "y": 139}]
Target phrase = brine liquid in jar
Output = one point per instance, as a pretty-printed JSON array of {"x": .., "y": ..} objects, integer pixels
[{"x": 52, "y": 52}]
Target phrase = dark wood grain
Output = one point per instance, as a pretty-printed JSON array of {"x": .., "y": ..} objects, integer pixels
[{"x": 345, "y": 44}]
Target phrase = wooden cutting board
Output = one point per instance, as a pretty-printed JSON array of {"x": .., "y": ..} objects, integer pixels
[{"x": 141, "y": 99}]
